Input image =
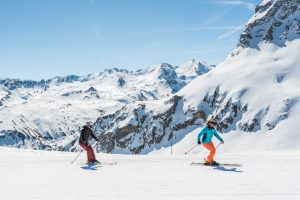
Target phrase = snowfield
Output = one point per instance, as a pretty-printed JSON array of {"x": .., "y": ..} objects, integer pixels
[{"x": 28, "y": 174}]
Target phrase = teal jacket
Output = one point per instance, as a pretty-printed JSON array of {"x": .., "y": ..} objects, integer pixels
[{"x": 207, "y": 135}]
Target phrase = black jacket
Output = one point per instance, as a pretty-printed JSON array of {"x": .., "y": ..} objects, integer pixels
[{"x": 85, "y": 134}]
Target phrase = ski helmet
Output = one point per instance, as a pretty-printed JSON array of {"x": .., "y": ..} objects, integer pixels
[
  {"x": 212, "y": 121},
  {"x": 89, "y": 124}
]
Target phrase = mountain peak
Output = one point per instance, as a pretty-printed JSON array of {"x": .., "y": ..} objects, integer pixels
[
  {"x": 113, "y": 70},
  {"x": 275, "y": 21}
]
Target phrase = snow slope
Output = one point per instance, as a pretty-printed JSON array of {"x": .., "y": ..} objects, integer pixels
[
  {"x": 43, "y": 175},
  {"x": 269, "y": 89}
]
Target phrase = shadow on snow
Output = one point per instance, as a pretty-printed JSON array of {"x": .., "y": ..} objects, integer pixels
[
  {"x": 90, "y": 167},
  {"x": 221, "y": 168}
]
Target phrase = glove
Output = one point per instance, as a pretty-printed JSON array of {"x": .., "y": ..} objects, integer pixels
[
  {"x": 222, "y": 142},
  {"x": 199, "y": 142}
]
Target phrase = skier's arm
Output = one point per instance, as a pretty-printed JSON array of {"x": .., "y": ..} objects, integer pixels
[
  {"x": 201, "y": 133},
  {"x": 217, "y": 136},
  {"x": 80, "y": 137},
  {"x": 93, "y": 135}
]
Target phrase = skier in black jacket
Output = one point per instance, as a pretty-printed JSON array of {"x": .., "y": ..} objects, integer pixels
[{"x": 85, "y": 134}]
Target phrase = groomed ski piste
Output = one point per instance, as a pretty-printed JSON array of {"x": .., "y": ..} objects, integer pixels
[{"x": 268, "y": 174}]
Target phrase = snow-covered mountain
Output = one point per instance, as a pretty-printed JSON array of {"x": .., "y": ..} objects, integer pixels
[
  {"x": 255, "y": 90},
  {"x": 275, "y": 21},
  {"x": 47, "y": 114}
]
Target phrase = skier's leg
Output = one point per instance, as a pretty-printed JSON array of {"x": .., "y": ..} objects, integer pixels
[
  {"x": 210, "y": 146},
  {"x": 85, "y": 147},
  {"x": 91, "y": 155}
]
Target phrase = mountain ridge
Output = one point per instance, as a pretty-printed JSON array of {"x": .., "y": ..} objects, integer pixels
[{"x": 48, "y": 114}]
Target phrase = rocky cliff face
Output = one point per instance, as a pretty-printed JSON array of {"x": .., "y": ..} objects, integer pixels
[
  {"x": 275, "y": 21},
  {"x": 140, "y": 128}
]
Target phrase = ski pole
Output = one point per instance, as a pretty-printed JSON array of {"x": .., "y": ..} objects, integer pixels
[
  {"x": 197, "y": 145},
  {"x": 191, "y": 149},
  {"x": 218, "y": 145},
  {"x": 77, "y": 156}
]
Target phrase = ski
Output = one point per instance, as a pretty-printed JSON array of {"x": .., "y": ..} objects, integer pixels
[
  {"x": 108, "y": 163},
  {"x": 102, "y": 163},
  {"x": 221, "y": 164}
]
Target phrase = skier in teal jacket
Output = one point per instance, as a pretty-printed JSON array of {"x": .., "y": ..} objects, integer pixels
[{"x": 207, "y": 134}]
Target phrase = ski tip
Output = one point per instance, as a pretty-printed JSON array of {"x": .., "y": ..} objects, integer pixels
[{"x": 108, "y": 163}]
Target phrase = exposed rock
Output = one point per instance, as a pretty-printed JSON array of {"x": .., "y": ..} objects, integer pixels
[{"x": 274, "y": 21}]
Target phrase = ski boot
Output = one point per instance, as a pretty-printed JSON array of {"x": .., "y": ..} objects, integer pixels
[
  {"x": 214, "y": 163},
  {"x": 96, "y": 161},
  {"x": 207, "y": 163},
  {"x": 93, "y": 162}
]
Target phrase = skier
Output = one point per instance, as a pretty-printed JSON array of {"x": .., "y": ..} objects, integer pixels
[
  {"x": 85, "y": 134},
  {"x": 207, "y": 133}
]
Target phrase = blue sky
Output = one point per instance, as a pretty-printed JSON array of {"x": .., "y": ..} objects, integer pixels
[{"x": 45, "y": 38}]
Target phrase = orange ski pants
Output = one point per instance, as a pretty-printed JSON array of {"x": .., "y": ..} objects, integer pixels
[{"x": 210, "y": 146}]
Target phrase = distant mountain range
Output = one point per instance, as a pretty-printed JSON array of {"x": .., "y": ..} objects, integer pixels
[{"x": 49, "y": 113}]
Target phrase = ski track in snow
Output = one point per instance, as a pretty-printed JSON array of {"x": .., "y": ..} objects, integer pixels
[{"x": 27, "y": 174}]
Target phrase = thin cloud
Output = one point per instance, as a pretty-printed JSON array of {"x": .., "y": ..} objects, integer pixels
[
  {"x": 248, "y": 5},
  {"x": 215, "y": 18},
  {"x": 193, "y": 51},
  {"x": 212, "y": 28},
  {"x": 231, "y": 32}
]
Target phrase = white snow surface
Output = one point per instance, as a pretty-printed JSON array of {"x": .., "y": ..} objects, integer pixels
[{"x": 46, "y": 175}]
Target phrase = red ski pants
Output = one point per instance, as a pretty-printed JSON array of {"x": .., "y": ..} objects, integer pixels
[
  {"x": 210, "y": 146},
  {"x": 90, "y": 152}
]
